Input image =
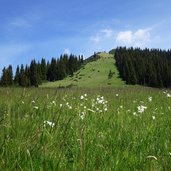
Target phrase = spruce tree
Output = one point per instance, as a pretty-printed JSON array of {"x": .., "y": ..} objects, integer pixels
[
  {"x": 34, "y": 74},
  {"x": 4, "y": 78},
  {"x": 17, "y": 76},
  {"x": 9, "y": 76},
  {"x": 52, "y": 71},
  {"x": 43, "y": 69}
]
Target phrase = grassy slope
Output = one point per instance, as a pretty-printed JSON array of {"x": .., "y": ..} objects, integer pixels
[{"x": 93, "y": 74}]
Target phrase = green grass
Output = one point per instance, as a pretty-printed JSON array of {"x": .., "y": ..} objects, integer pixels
[
  {"x": 93, "y": 74},
  {"x": 89, "y": 132}
]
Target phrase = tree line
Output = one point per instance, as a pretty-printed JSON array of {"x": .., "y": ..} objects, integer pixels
[
  {"x": 149, "y": 67},
  {"x": 38, "y": 72}
]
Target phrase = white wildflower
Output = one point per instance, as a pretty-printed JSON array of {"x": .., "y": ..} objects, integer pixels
[
  {"x": 35, "y": 107},
  {"x": 164, "y": 92},
  {"x": 168, "y": 95},
  {"x": 141, "y": 108},
  {"x": 149, "y": 99},
  {"x": 99, "y": 100},
  {"x": 60, "y": 105},
  {"x": 134, "y": 113},
  {"x": 53, "y": 102},
  {"x": 82, "y": 115},
  {"x": 33, "y": 101},
  {"x": 82, "y": 97},
  {"x": 85, "y": 95},
  {"x": 153, "y": 117},
  {"x": 105, "y": 109},
  {"x": 117, "y": 95},
  {"x": 51, "y": 124},
  {"x": 170, "y": 153}
]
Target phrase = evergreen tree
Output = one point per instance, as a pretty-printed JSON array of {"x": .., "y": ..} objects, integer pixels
[
  {"x": 34, "y": 74},
  {"x": 43, "y": 69},
  {"x": 4, "y": 78},
  {"x": 10, "y": 76},
  {"x": 22, "y": 79},
  {"x": 7, "y": 76},
  {"x": 27, "y": 76},
  {"x": 17, "y": 76},
  {"x": 52, "y": 71}
]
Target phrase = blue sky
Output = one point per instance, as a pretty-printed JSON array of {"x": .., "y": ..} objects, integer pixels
[{"x": 47, "y": 28}]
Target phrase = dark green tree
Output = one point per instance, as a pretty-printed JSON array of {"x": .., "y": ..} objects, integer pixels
[
  {"x": 17, "y": 76},
  {"x": 43, "y": 69},
  {"x": 35, "y": 78},
  {"x": 4, "y": 78},
  {"x": 9, "y": 75}
]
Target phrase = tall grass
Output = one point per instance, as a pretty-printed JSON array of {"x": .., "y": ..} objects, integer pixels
[{"x": 85, "y": 129}]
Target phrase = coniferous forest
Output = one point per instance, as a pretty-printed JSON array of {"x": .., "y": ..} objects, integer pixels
[
  {"x": 149, "y": 67},
  {"x": 38, "y": 72}
]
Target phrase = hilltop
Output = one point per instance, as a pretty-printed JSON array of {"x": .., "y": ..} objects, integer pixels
[{"x": 100, "y": 72}]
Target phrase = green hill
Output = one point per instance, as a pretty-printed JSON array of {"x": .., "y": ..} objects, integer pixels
[{"x": 92, "y": 74}]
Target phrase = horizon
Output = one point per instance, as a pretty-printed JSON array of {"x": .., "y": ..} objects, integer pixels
[{"x": 34, "y": 30}]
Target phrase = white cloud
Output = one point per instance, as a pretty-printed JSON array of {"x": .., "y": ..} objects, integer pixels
[
  {"x": 107, "y": 33},
  {"x": 67, "y": 51},
  {"x": 102, "y": 35},
  {"x": 139, "y": 38},
  {"x": 124, "y": 37},
  {"x": 95, "y": 39}
]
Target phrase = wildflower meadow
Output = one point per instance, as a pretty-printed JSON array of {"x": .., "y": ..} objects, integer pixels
[{"x": 85, "y": 129}]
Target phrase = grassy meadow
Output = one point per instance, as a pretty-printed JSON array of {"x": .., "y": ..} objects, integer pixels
[
  {"x": 85, "y": 129},
  {"x": 93, "y": 74}
]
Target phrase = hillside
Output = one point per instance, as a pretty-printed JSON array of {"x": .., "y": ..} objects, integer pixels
[{"x": 92, "y": 74}]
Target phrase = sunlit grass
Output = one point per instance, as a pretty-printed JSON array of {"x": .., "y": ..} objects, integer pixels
[
  {"x": 94, "y": 74},
  {"x": 85, "y": 129}
]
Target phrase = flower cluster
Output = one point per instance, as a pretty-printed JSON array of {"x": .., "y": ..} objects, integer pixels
[
  {"x": 98, "y": 105},
  {"x": 141, "y": 108}
]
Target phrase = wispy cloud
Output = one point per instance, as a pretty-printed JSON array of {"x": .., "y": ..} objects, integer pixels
[
  {"x": 140, "y": 37},
  {"x": 102, "y": 35},
  {"x": 67, "y": 51}
]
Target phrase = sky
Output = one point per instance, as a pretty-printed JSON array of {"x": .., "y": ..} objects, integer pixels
[{"x": 32, "y": 29}]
